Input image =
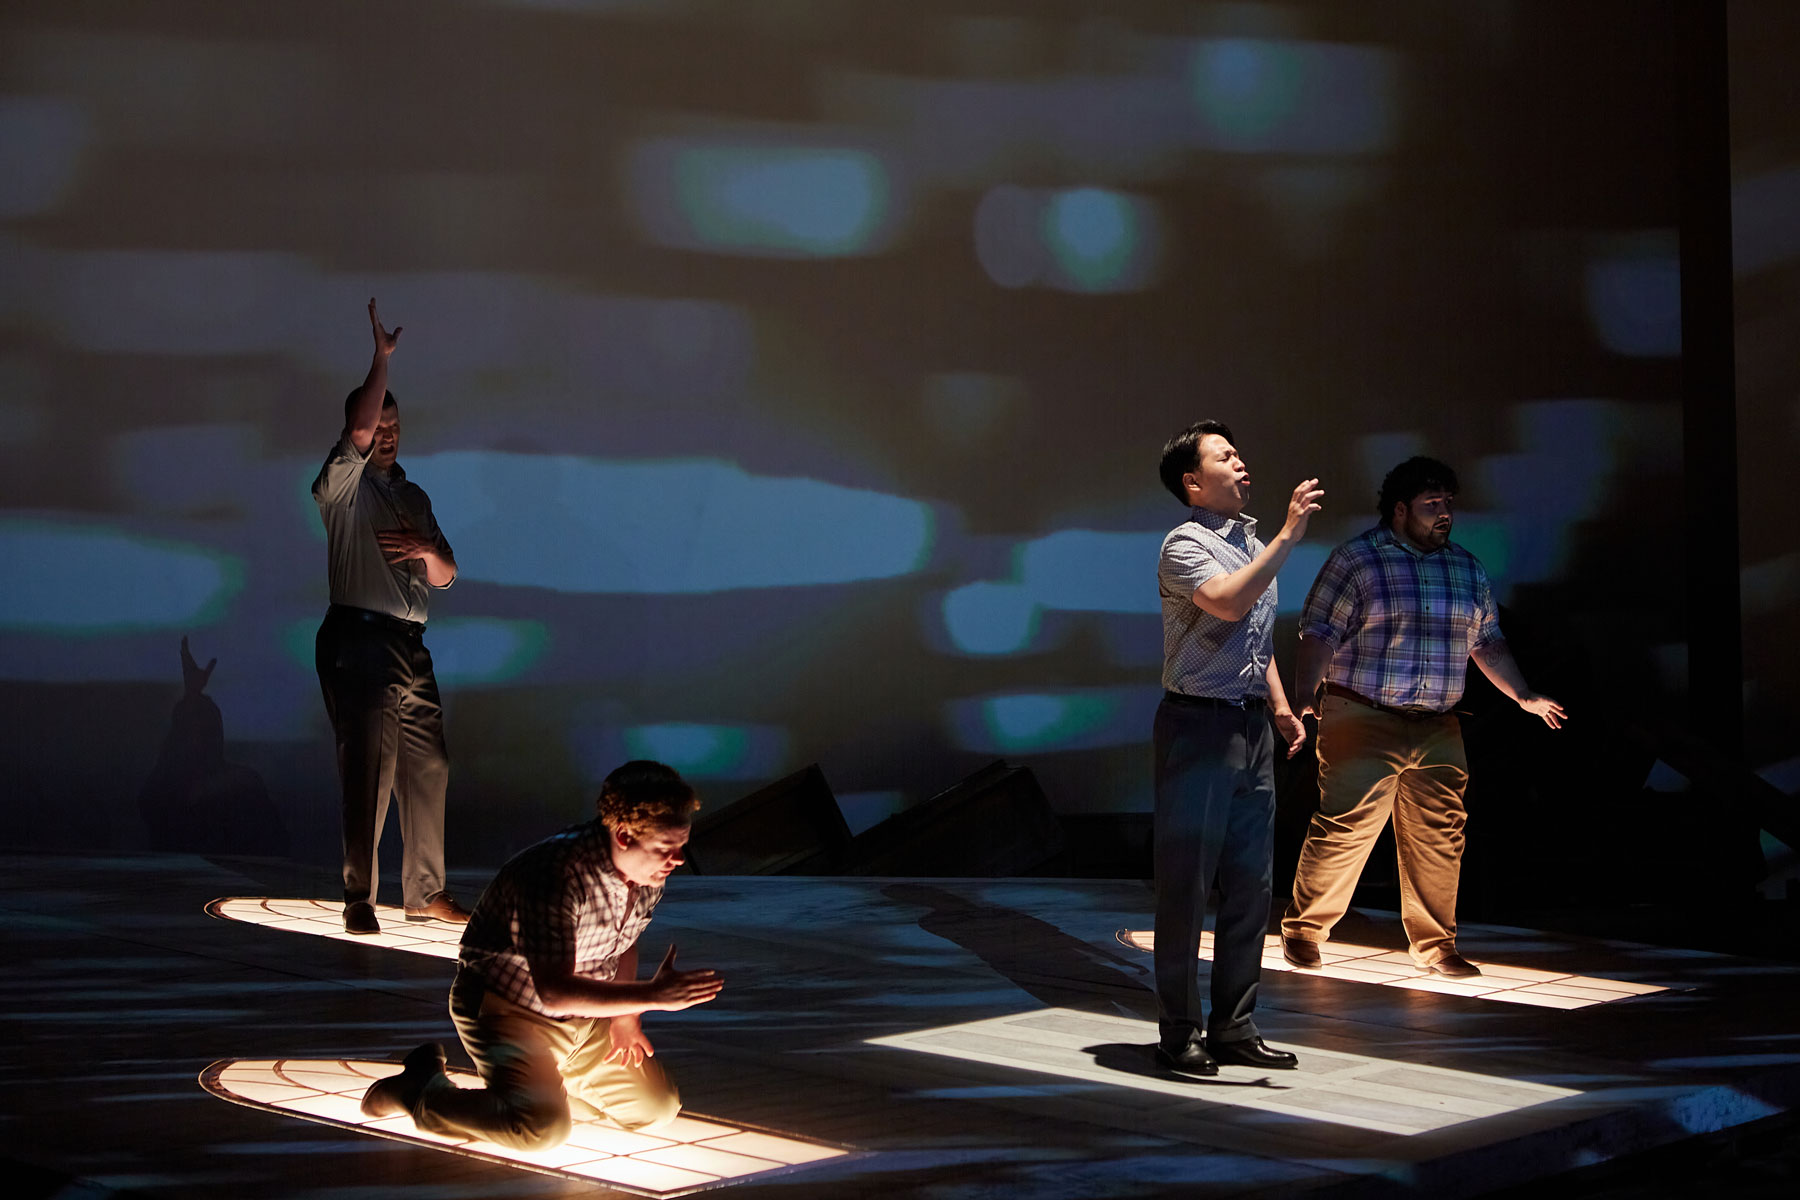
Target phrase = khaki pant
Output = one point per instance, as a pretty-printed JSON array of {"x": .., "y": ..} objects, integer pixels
[
  {"x": 532, "y": 1066},
  {"x": 1373, "y": 764}
]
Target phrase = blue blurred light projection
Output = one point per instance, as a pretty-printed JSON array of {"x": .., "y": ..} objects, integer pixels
[
  {"x": 1634, "y": 296},
  {"x": 686, "y": 526},
  {"x": 46, "y": 138},
  {"x": 469, "y": 650},
  {"x": 1075, "y": 240},
  {"x": 1071, "y": 570},
  {"x": 766, "y": 200},
  {"x": 65, "y": 579},
  {"x": 1263, "y": 96},
  {"x": 991, "y": 618},
  {"x": 701, "y": 751},
  {"x": 1069, "y": 719}
]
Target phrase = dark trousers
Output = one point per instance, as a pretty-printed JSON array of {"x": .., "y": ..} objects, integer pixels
[
  {"x": 389, "y": 726},
  {"x": 1215, "y": 825}
]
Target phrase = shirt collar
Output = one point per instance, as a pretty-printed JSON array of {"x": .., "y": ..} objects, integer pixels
[
  {"x": 1385, "y": 536},
  {"x": 1222, "y": 525}
]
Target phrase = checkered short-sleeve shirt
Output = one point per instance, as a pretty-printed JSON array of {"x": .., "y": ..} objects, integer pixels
[
  {"x": 1401, "y": 623},
  {"x": 559, "y": 899},
  {"x": 1204, "y": 655}
]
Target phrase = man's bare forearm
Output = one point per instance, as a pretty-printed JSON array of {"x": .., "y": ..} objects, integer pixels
[
  {"x": 366, "y": 412},
  {"x": 1231, "y": 597},
  {"x": 1310, "y": 665},
  {"x": 1496, "y": 662}
]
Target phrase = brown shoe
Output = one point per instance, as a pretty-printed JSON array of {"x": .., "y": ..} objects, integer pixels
[
  {"x": 441, "y": 907},
  {"x": 1455, "y": 966},
  {"x": 1302, "y": 953},
  {"x": 398, "y": 1094}
]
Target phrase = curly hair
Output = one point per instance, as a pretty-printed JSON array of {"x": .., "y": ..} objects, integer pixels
[
  {"x": 643, "y": 796},
  {"x": 1408, "y": 481}
]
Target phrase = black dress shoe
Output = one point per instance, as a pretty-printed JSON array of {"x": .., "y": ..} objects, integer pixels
[
  {"x": 360, "y": 918},
  {"x": 1455, "y": 966},
  {"x": 398, "y": 1094},
  {"x": 1251, "y": 1052},
  {"x": 1301, "y": 953},
  {"x": 1191, "y": 1059}
]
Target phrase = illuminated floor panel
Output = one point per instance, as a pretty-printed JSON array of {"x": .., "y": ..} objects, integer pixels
[
  {"x": 325, "y": 918},
  {"x": 1394, "y": 968},
  {"x": 1343, "y": 1089},
  {"x": 684, "y": 1156}
]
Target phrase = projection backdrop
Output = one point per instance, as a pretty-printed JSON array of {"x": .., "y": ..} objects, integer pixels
[{"x": 790, "y": 377}]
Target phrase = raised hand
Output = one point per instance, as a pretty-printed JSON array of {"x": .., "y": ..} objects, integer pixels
[
  {"x": 672, "y": 990},
  {"x": 193, "y": 675},
  {"x": 1543, "y": 707},
  {"x": 384, "y": 341},
  {"x": 1301, "y": 506}
]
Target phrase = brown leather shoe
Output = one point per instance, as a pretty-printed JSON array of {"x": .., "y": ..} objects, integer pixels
[
  {"x": 441, "y": 907},
  {"x": 1455, "y": 966},
  {"x": 398, "y": 1094},
  {"x": 360, "y": 918},
  {"x": 1302, "y": 953}
]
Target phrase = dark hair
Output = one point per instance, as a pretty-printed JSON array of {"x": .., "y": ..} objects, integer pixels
[
  {"x": 643, "y": 796},
  {"x": 387, "y": 402},
  {"x": 1405, "y": 482},
  {"x": 1181, "y": 454}
]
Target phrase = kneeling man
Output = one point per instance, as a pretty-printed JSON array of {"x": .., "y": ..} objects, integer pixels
[{"x": 546, "y": 999}]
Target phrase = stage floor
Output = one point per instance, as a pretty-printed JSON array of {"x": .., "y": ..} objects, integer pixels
[{"x": 962, "y": 1038}]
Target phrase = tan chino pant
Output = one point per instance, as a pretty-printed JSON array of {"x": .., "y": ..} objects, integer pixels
[
  {"x": 1373, "y": 764},
  {"x": 533, "y": 1068}
]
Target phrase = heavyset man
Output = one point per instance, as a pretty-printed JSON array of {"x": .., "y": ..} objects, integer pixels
[
  {"x": 1214, "y": 750},
  {"x": 547, "y": 999},
  {"x": 385, "y": 555},
  {"x": 1387, "y": 633}
]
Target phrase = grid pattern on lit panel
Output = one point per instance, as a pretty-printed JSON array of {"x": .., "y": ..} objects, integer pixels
[
  {"x": 686, "y": 1155},
  {"x": 325, "y": 918},
  {"x": 1329, "y": 1085},
  {"x": 1394, "y": 968}
]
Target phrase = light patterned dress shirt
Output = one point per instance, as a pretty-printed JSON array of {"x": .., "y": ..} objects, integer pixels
[{"x": 1204, "y": 655}]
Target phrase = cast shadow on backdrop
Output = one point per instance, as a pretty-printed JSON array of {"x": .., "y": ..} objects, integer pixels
[{"x": 195, "y": 801}]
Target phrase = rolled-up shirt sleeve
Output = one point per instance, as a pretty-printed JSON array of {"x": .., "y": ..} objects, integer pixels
[
  {"x": 343, "y": 470},
  {"x": 1330, "y": 611},
  {"x": 437, "y": 539},
  {"x": 1485, "y": 629}
]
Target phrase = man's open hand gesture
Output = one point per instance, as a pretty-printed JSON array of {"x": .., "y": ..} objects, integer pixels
[
  {"x": 672, "y": 990},
  {"x": 1301, "y": 506}
]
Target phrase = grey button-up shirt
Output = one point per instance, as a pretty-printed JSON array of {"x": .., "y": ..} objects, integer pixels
[
  {"x": 355, "y": 503},
  {"x": 1204, "y": 655}
]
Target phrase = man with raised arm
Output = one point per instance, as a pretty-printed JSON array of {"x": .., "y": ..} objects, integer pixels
[
  {"x": 1214, "y": 750},
  {"x": 1386, "y": 636},
  {"x": 385, "y": 554},
  {"x": 547, "y": 998}
]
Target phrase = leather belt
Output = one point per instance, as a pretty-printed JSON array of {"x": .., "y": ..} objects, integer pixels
[
  {"x": 1410, "y": 714},
  {"x": 1246, "y": 704},
  {"x": 396, "y": 624}
]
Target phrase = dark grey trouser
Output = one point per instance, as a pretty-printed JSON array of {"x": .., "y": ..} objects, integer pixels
[
  {"x": 389, "y": 726},
  {"x": 531, "y": 1066},
  {"x": 1215, "y": 824}
]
